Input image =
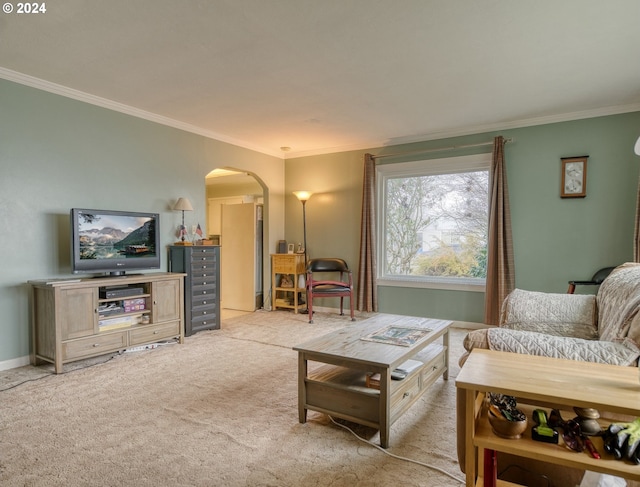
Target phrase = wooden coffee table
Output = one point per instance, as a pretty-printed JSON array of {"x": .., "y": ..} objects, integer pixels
[
  {"x": 548, "y": 383},
  {"x": 338, "y": 388}
]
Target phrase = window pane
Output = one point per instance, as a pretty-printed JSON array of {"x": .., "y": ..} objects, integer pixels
[{"x": 436, "y": 225}]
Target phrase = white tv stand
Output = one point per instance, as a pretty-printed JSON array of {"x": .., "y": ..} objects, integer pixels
[{"x": 71, "y": 318}]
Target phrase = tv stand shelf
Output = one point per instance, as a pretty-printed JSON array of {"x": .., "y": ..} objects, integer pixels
[{"x": 70, "y": 321}]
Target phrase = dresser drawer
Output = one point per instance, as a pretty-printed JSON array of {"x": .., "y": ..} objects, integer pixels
[
  {"x": 204, "y": 312},
  {"x": 202, "y": 291},
  {"x": 204, "y": 271},
  {"x": 95, "y": 345},
  {"x": 206, "y": 266},
  {"x": 154, "y": 333},
  {"x": 205, "y": 322},
  {"x": 203, "y": 281},
  {"x": 208, "y": 300},
  {"x": 202, "y": 261},
  {"x": 203, "y": 253}
]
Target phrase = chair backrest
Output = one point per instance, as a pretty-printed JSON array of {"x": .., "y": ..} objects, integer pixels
[
  {"x": 327, "y": 265},
  {"x": 602, "y": 274}
]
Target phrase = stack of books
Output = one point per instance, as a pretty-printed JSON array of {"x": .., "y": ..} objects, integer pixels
[{"x": 119, "y": 322}]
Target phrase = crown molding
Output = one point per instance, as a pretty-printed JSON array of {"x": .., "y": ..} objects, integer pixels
[
  {"x": 65, "y": 91},
  {"x": 61, "y": 90},
  {"x": 473, "y": 130}
]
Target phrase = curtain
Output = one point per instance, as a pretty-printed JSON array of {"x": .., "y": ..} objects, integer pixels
[
  {"x": 636, "y": 234},
  {"x": 500, "y": 266},
  {"x": 367, "y": 288}
]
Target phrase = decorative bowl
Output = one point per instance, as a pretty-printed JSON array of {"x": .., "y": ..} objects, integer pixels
[{"x": 504, "y": 428}]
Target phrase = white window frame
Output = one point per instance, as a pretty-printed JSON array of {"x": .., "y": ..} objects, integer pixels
[{"x": 478, "y": 162}]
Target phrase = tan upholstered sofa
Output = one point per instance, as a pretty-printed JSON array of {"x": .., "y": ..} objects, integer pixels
[{"x": 601, "y": 328}]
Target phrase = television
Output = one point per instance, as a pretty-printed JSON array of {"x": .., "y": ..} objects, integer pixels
[{"x": 113, "y": 242}]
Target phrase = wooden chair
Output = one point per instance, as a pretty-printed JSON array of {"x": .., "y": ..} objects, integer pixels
[
  {"x": 596, "y": 280},
  {"x": 335, "y": 281}
]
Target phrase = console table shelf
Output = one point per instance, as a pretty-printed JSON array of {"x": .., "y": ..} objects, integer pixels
[
  {"x": 68, "y": 321},
  {"x": 548, "y": 383}
]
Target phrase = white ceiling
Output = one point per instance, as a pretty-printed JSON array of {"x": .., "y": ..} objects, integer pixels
[{"x": 330, "y": 75}]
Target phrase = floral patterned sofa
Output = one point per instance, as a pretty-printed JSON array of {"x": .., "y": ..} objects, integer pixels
[{"x": 601, "y": 328}]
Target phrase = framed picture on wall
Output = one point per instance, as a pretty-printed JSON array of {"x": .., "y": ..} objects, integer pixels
[{"x": 574, "y": 177}]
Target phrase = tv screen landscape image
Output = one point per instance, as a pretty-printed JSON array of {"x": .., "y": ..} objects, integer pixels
[{"x": 114, "y": 241}]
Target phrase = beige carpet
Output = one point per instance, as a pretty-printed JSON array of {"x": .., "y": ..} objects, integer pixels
[{"x": 220, "y": 410}]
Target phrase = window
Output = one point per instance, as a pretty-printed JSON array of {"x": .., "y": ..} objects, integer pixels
[{"x": 433, "y": 221}]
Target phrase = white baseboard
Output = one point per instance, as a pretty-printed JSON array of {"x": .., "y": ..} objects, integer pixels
[
  {"x": 14, "y": 363},
  {"x": 467, "y": 325}
]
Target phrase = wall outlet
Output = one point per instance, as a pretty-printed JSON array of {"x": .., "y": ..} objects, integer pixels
[{"x": 194, "y": 228}]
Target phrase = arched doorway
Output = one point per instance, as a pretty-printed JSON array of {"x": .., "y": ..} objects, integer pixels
[{"x": 236, "y": 219}]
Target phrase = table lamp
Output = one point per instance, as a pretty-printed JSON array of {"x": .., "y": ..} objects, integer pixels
[{"x": 183, "y": 204}]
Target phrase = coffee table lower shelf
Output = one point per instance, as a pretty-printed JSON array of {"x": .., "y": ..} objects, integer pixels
[{"x": 342, "y": 391}]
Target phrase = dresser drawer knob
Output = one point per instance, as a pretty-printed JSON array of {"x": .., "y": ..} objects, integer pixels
[
  {"x": 156, "y": 332},
  {"x": 96, "y": 345},
  {"x": 406, "y": 394}
]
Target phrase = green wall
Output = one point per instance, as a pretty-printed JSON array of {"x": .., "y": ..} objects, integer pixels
[
  {"x": 555, "y": 239},
  {"x": 57, "y": 153}
]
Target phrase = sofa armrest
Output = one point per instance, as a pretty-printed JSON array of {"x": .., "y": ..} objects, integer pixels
[
  {"x": 556, "y": 314},
  {"x": 530, "y": 343},
  {"x": 569, "y": 330}
]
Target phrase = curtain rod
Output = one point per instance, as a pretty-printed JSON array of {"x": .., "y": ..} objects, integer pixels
[{"x": 440, "y": 149}]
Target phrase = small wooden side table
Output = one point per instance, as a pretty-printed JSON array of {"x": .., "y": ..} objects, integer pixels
[
  {"x": 550, "y": 383},
  {"x": 291, "y": 265}
]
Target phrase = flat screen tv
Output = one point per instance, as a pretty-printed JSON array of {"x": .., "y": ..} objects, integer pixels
[{"x": 113, "y": 242}]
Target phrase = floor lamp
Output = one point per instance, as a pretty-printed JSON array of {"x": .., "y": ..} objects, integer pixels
[{"x": 304, "y": 196}]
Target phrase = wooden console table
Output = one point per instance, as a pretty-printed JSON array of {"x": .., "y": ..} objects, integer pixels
[
  {"x": 292, "y": 265},
  {"x": 339, "y": 387},
  {"x": 549, "y": 383}
]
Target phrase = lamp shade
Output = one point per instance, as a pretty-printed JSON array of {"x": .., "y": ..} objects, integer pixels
[
  {"x": 303, "y": 195},
  {"x": 183, "y": 204},
  {"x": 636, "y": 149}
]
